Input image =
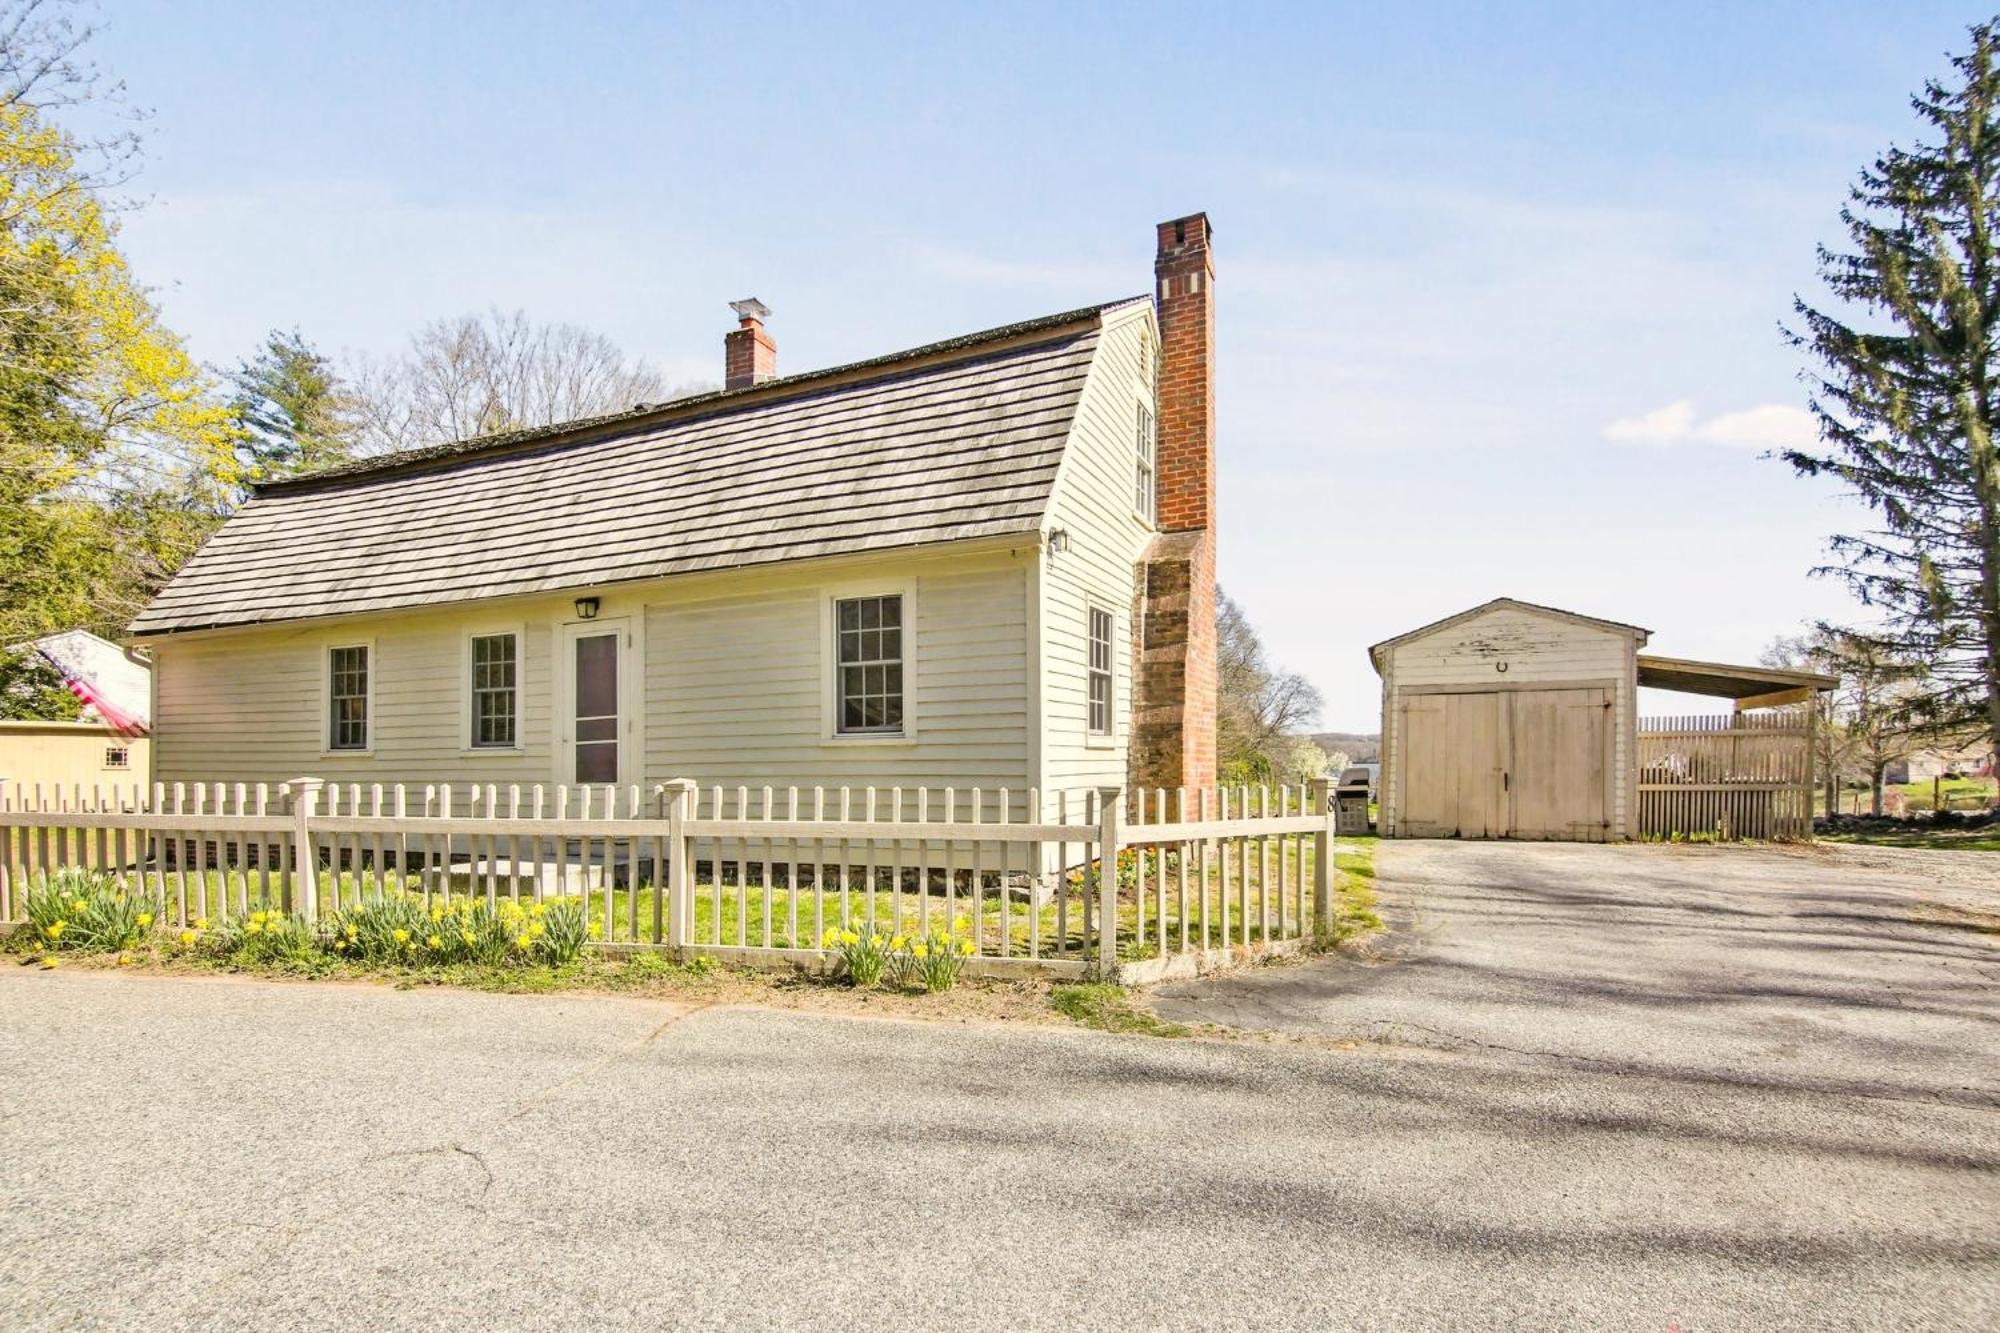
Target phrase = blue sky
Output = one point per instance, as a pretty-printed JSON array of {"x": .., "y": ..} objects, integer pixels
[{"x": 1498, "y": 286}]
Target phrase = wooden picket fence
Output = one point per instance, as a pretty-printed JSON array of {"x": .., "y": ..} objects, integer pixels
[
  {"x": 1743, "y": 775},
  {"x": 1094, "y": 880}
]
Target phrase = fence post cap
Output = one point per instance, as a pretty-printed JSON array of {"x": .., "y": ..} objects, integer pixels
[
  {"x": 679, "y": 784},
  {"x": 306, "y": 784}
]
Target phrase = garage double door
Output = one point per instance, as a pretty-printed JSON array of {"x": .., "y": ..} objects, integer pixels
[{"x": 1506, "y": 764}]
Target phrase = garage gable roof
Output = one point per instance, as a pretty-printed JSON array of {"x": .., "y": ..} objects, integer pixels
[{"x": 1507, "y": 604}]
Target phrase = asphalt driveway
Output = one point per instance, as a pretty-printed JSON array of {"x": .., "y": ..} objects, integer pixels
[{"x": 1828, "y": 968}]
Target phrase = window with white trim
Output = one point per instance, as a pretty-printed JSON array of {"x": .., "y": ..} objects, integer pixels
[
  {"x": 1145, "y": 446},
  {"x": 1100, "y": 672},
  {"x": 868, "y": 656},
  {"x": 347, "y": 698},
  {"x": 496, "y": 674}
]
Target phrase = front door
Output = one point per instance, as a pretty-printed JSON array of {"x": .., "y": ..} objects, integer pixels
[{"x": 594, "y": 703}]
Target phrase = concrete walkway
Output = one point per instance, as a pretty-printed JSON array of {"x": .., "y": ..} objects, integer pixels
[
  {"x": 1747, "y": 967},
  {"x": 213, "y": 1154}
]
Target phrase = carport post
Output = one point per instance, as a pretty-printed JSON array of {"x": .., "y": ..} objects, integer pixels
[
  {"x": 1323, "y": 844},
  {"x": 305, "y": 857}
]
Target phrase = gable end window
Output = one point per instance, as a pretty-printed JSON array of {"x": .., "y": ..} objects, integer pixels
[
  {"x": 1143, "y": 484},
  {"x": 347, "y": 698},
  {"x": 1100, "y": 672},
  {"x": 495, "y": 690},
  {"x": 868, "y": 655}
]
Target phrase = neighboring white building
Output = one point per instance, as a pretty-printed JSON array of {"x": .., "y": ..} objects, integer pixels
[{"x": 932, "y": 569}]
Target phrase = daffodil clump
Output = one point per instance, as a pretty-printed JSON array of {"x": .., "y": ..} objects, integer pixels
[
  {"x": 85, "y": 911},
  {"x": 933, "y": 960},
  {"x": 864, "y": 954},
  {"x": 937, "y": 959},
  {"x": 266, "y": 935},
  {"x": 407, "y": 931}
]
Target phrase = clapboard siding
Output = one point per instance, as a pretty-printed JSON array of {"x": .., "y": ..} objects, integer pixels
[
  {"x": 941, "y": 450},
  {"x": 733, "y": 670},
  {"x": 251, "y": 707},
  {"x": 1536, "y": 648},
  {"x": 1093, "y": 502},
  {"x": 736, "y": 687}
]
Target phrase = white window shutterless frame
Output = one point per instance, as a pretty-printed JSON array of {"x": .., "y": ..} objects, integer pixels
[{"x": 594, "y": 685}]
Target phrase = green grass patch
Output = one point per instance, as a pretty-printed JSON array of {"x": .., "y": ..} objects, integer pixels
[{"x": 1111, "y": 1008}]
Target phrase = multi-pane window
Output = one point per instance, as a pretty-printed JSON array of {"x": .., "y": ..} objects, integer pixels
[
  {"x": 1100, "y": 672},
  {"x": 347, "y": 696},
  {"x": 869, "y": 651},
  {"x": 1143, "y": 488},
  {"x": 117, "y": 756},
  {"x": 495, "y": 692}
]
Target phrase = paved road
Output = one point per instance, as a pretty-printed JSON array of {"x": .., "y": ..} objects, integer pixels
[
  {"x": 1704, "y": 965},
  {"x": 209, "y": 1154}
]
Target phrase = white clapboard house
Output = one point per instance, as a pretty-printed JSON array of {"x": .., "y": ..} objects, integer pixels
[{"x": 987, "y": 562}]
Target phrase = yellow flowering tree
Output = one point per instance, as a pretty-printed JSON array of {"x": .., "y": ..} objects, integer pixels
[{"x": 116, "y": 454}]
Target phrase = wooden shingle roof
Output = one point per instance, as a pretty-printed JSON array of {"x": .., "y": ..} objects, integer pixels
[{"x": 953, "y": 441}]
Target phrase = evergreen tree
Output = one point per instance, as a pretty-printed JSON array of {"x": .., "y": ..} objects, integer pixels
[
  {"x": 292, "y": 408},
  {"x": 1907, "y": 393}
]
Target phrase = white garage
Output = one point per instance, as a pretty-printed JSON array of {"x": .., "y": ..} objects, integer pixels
[{"x": 1510, "y": 720}]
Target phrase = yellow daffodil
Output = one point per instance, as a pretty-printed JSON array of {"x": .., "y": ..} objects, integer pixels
[
  {"x": 920, "y": 951},
  {"x": 434, "y": 942},
  {"x": 849, "y": 937},
  {"x": 466, "y": 935},
  {"x": 965, "y": 947},
  {"x": 596, "y": 929},
  {"x": 201, "y": 923},
  {"x": 79, "y": 904},
  {"x": 521, "y": 942},
  {"x": 55, "y": 929},
  {"x": 145, "y": 920},
  {"x": 896, "y": 941},
  {"x": 538, "y": 930},
  {"x": 400, "y": 936},
  {"x": 958, "y": 923},
  {"x": 187, "y": 938},
  {"x": 437, "y": 914},
  {"x": 831, "y": 938},
  {"x": 48, "y": 964},
  {"x": 124, "y": 959},
  {"x": 253, "y": 928}
]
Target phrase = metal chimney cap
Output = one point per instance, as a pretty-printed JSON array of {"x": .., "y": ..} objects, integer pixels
[{"x": 750, "y": 308}]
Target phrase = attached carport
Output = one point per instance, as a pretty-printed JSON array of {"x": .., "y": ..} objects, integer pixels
[
  {"x": 1517, "y": 720},
  {"x": 1744, "y": 774}
]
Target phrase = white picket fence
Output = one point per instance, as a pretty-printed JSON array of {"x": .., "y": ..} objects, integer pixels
[{"x": 1097, "y": 881}]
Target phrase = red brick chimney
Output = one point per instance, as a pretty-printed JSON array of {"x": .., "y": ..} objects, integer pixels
[
  {"x": 748, "y": 354},
  {"x": 1173, "y": 733}
]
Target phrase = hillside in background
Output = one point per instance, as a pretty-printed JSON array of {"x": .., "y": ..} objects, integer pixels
[{"x": 1358, "y": 747}]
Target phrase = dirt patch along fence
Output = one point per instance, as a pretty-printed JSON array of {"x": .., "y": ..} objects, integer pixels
[
  {"x": 1099, "y": 881},
  {"x": 1742, "y": 775}
]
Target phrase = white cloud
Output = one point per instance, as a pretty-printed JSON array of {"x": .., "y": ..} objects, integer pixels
[{"x": 1765, "y": 426}]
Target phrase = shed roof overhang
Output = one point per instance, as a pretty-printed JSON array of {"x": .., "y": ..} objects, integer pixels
[{"x": 1749, "y": 686}]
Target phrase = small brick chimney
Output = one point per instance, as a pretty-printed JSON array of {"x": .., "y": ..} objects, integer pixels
[
  {"x": 1173, "y": 732},
  {"x": 748, "y": 354}
]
